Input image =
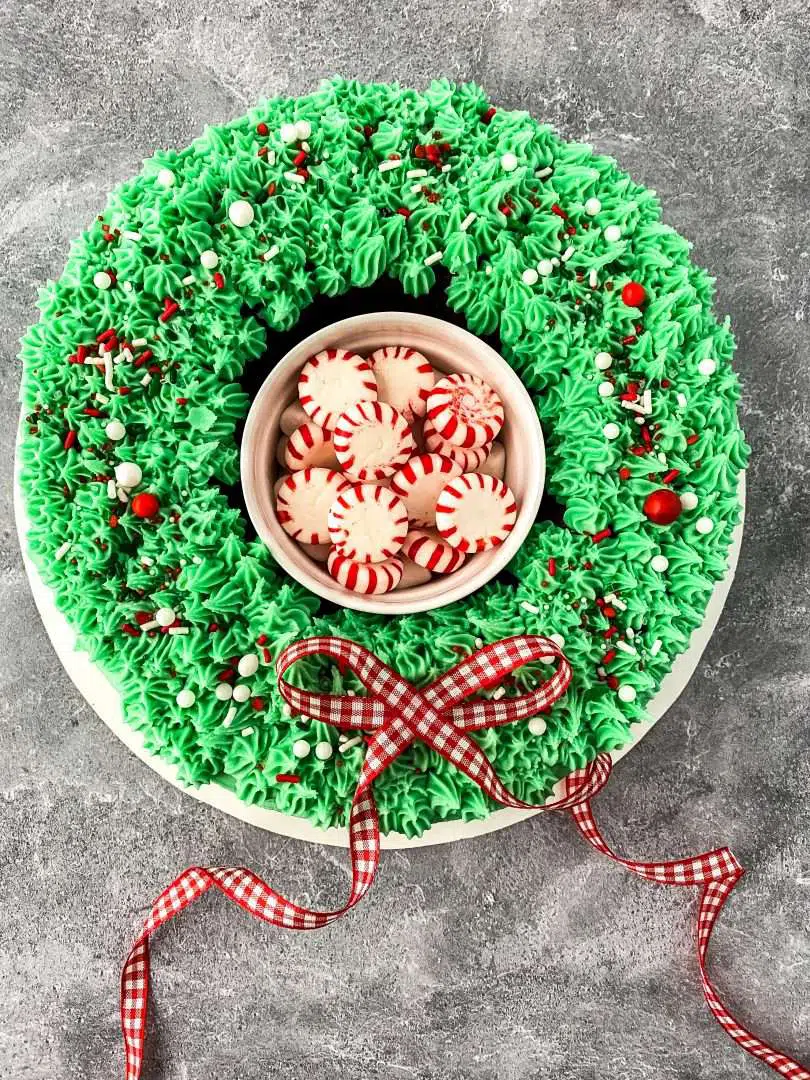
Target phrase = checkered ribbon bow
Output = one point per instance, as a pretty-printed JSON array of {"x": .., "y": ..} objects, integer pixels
[{"x": 395, "y": 714}]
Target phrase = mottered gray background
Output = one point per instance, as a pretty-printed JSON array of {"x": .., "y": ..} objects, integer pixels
[{"x": 520, "y": 955}]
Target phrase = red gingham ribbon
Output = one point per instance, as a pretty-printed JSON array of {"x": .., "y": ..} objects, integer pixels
[{"x": 395, "y": 714}]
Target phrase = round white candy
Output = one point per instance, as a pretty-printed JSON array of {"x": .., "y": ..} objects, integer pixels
[
  {"x": 592, "y": 207},
  {"x": 301, "y": 748},
  {"x": 209, "y": 259},
  {"x": 303, "y": 129},
  {"x": 611, "y": 431},
  {"x": 323, "y": 751},
  {"x": 288, "y": 133},
  {"x": 605, "y": 389},
  {"x": 241, "y": 213},
  {"x": 223, "y": 692},
  {"x": 626, "y": 693},
  {"x": 613, "y": 234},
  {"x": 165, "y": 177},
  {"x": 248, "y": 665},
  {"x": 241, "y": 692},
  {"x": 186, "y": 698},
  {"x": 707, "y": 366},
  {"x": 102, "y": 280},
  {"x": 545, "y": 267},
  {"x": 537, "y": 725},
  {"x": 704, "y": 525},
  {"x": 529, "y": 276},
  {"x": 165, "y": 616},
  {"x": 659, "y": 563},
  {"x": 689, "y": 500},
  {"x": 115, "y": 430},
  {"x": 558, "y": 640},
  {"x": 128, "y": 474},
  {"x": 603, "y": 360},
  {"x": 509, "y": 162}
]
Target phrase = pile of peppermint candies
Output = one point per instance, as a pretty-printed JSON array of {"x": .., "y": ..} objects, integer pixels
[{"x": 393, "y": 471}]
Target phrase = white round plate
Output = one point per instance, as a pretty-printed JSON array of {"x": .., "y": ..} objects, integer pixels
[{"x": 102, "y": 696}]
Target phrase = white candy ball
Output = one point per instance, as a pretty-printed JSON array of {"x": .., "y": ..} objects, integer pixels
[
  {"x": 102, "y": 280},
  {"x": 241, "y": 213},
  {"x": 303, "y": 129},
  {"x": 537, "y": 725},
  {"x": 613, "y": 234},
  {"x": 611, "y": 431},
  {"x": 545, "y": 267},
  {"x": 558, "y": 640},
  {"x": 323, "y": 751},
  {"x": 248, "y": 665},
  {"x": 165, "y": 616},
  {"x": 592, "y": 207},
  {"x": 659, "y": 563},
  {"x": 603, "y": 360},
  {"x": 288, "y": 133},
  {"x": 530, "y": 276},
  {"x": 241, "y": 692},
  {"x": 689, "y": 500},
  {"x": 128, "y": 474},
  {"x": 626, "y": 693},
  {"x": 209, "y": 259},
  {"x": 707, "y": 366},
  {"x": 223, "y": 692},
  {"x": 704, "y": 525},
  {"x": 115, "y": 430},
  {"x": 605, "y": 389},
  {"x": 509, "y": 162},
  {"x": 301, "y": 748},
  {"x": 165, "y": 177},
  {"x": 186, "y": 698}
]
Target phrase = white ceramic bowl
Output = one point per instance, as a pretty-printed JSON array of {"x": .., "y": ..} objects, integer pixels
[{"x": 450, "y": 349}]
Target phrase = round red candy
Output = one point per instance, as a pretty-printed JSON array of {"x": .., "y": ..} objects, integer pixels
[
  {"x": 145, "y": 504},
  {"x": 634, "y": 294},
  {"x": 662, "y": 507}
]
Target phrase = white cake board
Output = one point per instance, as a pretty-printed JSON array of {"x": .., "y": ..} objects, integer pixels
[{"x": 102, "y": 696}]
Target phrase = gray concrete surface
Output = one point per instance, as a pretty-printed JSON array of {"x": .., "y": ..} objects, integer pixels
[{"x": 521, "y": 955}]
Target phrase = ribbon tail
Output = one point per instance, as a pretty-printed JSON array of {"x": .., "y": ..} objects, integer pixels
[{"x": 718, "y": 871}]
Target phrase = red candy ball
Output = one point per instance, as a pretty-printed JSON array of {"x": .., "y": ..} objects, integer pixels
[
  {"x": 662, "y": 507},
  {"x": 634, "y": 294},
  {"x": 145, "y": 504}
]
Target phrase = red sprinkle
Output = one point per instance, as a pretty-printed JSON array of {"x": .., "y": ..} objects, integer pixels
[
  {"x": 271, "y": 189},
  {"x": 487, "y": 116},
  {"x": 608, "y": 611},
  {"x": 300, "y": 157},
  {"x": 691, "y": 439},
  {"x": 226, "y": 675},
  {"x": 213, "y": 627},
  {"x": 667, "y": 478},
  {"x": 113, "y": 521},
  {"x": 219, "y": 280},
  {"x": 182, "y": 400},
  {"x": 105, "y": 335},
  {"x": 169, "y": 308},
  {"x": 603, "y": 535},
  {"x": 261, "y": 639},
  {"x": 611, "y": 630},
  {"x": 558, "y": 210},
  {"x": 287, "y": 778},
  {"x": 132, "y": 631},
  {"x": 70, "y": 440},
  {"x": 144, "y": 358},
  {"x": 624, "y": 473},
  {"x": 631, "y": 339},
  {"x": 89, "y": 411},
  {"x": 81, "y": 354},
  {"x": 257, "y": 703},
  {"x": 262, "y": 128},
  {"x": 612, "y": 682},
  {"x": 404, "y": 211},
  {"x": 552, "y": 566},
  {"x": 609, "y": 655},
  {"x": 266, "y": 655}
]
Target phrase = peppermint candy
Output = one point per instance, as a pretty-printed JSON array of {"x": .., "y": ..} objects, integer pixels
[
  {"x": 427, "y": 548},
  {"x": 372, "y": 440},
  {"x": 332, "y": 381},
  {"x": 469, "y": 459},
  {"x": 367, "y": 523},
  {"x": 419, "y": 483},
  {"x": 303, "y": 500},
  {"x": 464, "y": 410},
  {"x": 475, "y": 512},
  {"x": 404, "y": 378},
  {"x": 309, "y": 445},
  {"x": 373, "y": 579}
]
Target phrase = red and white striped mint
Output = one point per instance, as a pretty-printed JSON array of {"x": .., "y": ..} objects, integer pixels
[
  {"x": 333, "y": 380},
  {"x": 469, "y": 460},
  {"x": 426, "y": 548},
  {"x": 475, "y": 512},
  {"x": 367, "y": 523},
  {"x": 309, "y": 445},
  {"x": 303, "y": 501},
  {"x": 465, "y": 410},
  {"x": 419, "y": 483},
  {"x": 404, "y": 378},
  {"x": 372, "y": 440},
  {"x": 373, "y": 579}
]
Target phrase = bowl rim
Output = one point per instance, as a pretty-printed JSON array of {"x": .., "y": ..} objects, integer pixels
[{"x": 286, "y": 552}]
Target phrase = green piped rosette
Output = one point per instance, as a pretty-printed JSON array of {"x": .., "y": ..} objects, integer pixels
[{"x": 324, "y": 224}]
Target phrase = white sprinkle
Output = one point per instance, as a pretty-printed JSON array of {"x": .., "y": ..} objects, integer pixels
[
  {"x": 126, "y": 286},
  {"x": 247, "y": 731},
  {"x": 541, "y": 174},
  {"x": 230, "y": 716},
  {"x": 639, "y": 419},
  {"x": 498, "y": 693},
  {"x": 446, "y": 168},
  {"x": 592, "y": 207},
  {"x": 611, "y": 431},
  {"x": 479, "y": 643},
  {"x": 626, "y": 648},
  {"x": 606, "y": 389},
  {"x": 128, "y": 234},
  {"x": 531, "y": 608},
  {"x": 659, "y": 563},
  {"x": 529, "y": 276},
  {"x": 288, "y": 133},
  {"x": 681, "y": 399},
  {"x": 613, "y": 599},
  {"x": 165, "y": 616},
  {"x": 593, "y": 279},
  {"x": 647, "y": 400},
  {"x": 468, "y": 220},
  {"x": 569, "y": 251},
  {"x": 153, "y": 624},
  {"x": 271, "y": 253},
  {"x": 138, "y": 342},
  {"x": 186, "y": 698},
  {"x": 416, "y": 188},
  {"x": 655, "y": 648},
  {"x": 241, "y": 692},
  {"x": 248, "y": 665},
  {"x": 626, "y": 693},
  {"x": 603, "y": 361},
  {"x": 165, "y": 178},
  {"x": 112, "y": 491},
  {"x": 294, "y": 177},
  {"x": 689, "y": 500},
  {"x": 634, "y": 406},
  {"x": 208, "y": 259},
  {"x": 393, "y": 163},
  {"x": 223, "y": 691},
  {"x": 509, "y": 161},
  {"x": 630, "y": 632},
  {"x": 351, "y": 743},
  {"x": 323, "y": 751},
  {"x": 662, "y": 457},
  {"x": 300, "y": 748},
  {"x": 241, "y": 213},
  {"x": 108, "y": 372},
  {"x": 434, "y": 258},
  {"x": 102, "y": 399},
  {"x": 613, "y": 234},
  {"x": 305, "y": 148},
  {"x": 126, "y": 354},
  {"x": 537, "y": 725},
  {"x": 147, "y": 561},
  {"x": 707, "y": 366},
  {"x": 303, "y": 129},
  {"x": 545, "y": 267},
  {"x": 146, "y": 379},
  {"x": 413, "y": 174},
  {"x": 188, "y": 280},
  {"x": 555, "y": 261},
  {"x": 61, "y": 551},
  {"x": 704, "y": 525},
  {"x": 122, "y": 495}
]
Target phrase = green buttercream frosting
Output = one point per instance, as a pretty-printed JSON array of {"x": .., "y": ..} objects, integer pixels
[{"x": 347, "y": 224}]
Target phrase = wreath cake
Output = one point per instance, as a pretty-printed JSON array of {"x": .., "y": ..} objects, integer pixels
[{"x": 133, "y": 399}]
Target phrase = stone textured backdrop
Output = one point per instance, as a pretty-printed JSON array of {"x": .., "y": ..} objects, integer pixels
[{"x": 520, "y": 955}]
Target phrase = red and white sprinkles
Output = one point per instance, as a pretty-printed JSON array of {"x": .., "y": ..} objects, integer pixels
[
  {"x": 465, "y": 410},
  {"x": 372, "y": 440},
  {"x": 359, "y": 496},
  {"x": 475, "y": 512}
]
